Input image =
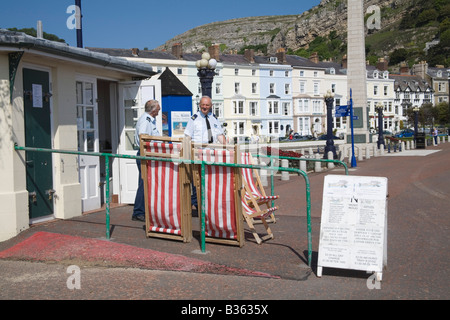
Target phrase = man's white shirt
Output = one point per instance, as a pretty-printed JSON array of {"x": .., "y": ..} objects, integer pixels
[
  {"x": 197, "y": 129},
  {"x": 146, "y": 124}
]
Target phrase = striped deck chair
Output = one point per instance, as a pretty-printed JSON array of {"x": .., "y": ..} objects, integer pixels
[
  {"x": 250, "y": 213},
  {"x": 167, "y": 189},
  {"x": 223, "y": 220},
  {"x": 255, "y": 189}
]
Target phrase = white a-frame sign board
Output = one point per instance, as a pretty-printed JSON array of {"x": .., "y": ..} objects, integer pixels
[{"x": 353, "y": 230}]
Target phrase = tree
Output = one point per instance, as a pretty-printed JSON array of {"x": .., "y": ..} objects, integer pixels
[{"x": 398, "y": 55}]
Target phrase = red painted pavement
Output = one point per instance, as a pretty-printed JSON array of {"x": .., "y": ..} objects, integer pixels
[{"x": 54, "y": 247}]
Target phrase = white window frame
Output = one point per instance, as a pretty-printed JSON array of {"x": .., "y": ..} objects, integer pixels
[
  {"x": 238, "y": 107},
  {"x": 274, "y": 127},
  {"x": 239, "y": 128},
  {"x": 253, "y": 109},
  {"x": 273, "y": 107}
]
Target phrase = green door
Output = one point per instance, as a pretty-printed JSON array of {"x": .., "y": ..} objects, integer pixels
[{"x": 38, "y": 135}]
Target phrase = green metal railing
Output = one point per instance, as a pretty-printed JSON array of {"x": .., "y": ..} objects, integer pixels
[
  {"x": 273, "y": 157},
  {"x": 203, "y": 196}
]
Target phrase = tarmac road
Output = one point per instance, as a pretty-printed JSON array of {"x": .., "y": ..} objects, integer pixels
[{"x": 417, "y": 265}]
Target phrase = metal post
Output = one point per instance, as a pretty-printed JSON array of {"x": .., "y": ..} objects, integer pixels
[
  {"x": 206, "y": 79},
  {"x": 202, "y": 215},
  {"x": 353, "y": 161},
  {"x": 79, "y": 27},
  {"x": 329, "y": 101},
  {"x": 107, "y": 198},
  {"x": 380, "y": 141}
]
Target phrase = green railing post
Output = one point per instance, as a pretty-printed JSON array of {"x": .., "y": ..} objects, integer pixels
[
  {"x": 272, "y": 191},
  {"x": 107, "y": 197},
  {"x": 203, "y": 211}
]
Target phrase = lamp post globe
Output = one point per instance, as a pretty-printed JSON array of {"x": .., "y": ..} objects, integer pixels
[{"x": 206, "y": 71}]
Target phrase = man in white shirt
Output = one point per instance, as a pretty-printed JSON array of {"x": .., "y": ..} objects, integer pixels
[
  {"x": 203, "y": 127},
  {"x": 146, "y": 125}
]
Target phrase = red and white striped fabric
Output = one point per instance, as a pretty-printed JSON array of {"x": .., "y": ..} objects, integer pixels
[
  {"x": 249, "y": 210},
  {"x": 247, "y": 174},
  {"x": 163, "y": 190},
  {"x": 220, "y": 214}
]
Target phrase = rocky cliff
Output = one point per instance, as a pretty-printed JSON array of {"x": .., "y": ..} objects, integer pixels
[{"x": 328, "y": 20}]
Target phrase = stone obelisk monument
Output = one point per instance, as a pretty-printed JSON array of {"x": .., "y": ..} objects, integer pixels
[{"x": 356, "y": 70}]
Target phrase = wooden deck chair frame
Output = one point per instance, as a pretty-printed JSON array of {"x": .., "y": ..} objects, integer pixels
[
  {"x": 255, "y": 189},
  {"x": 254, "y": 211},
  {"x": 182, "y": 227},
  {"x": 238, "y": 237}
]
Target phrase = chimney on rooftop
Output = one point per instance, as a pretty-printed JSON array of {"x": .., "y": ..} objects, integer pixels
[
  {"x": 420, "y": 69},
  {"x": 382, "y": 64},
  {"x": 40, "y": 31},
  {"x": 214, "y": 51},
  {"x": 281, "y": 55},
  {"x": 135, "y": 52},
  {"x": 404, "y": 69},
  {"x": 177, "y": 50},
  {"x": 314, "y": 57},
  {"x": 249, "y": 55},
  {"x": 344, "y": 62}
]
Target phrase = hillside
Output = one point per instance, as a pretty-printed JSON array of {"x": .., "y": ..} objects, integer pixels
[{"x": 405, "y": 28}]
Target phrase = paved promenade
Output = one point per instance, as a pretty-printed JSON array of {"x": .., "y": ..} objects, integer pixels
[{"x": 34, "y": 265}]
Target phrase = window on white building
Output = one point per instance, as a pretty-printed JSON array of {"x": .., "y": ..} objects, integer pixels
[
  {"x": 317, "y": 106},
  {"x": 303, "y": 105},
  {"x": 304, "y": 125},
  {"x": 238, "y": 107},
  {"x": 218, "y": 109},
  {"x": 239, "y": 128},
  {"x": 273, "y": 107},
  {"x": 302, "y": 86},
  {"x": 237, "y": 88},
  {"x": 272, "y": 88},
  {"x": 253, "y": 108},
  {"x": 274, "y": 127},
  {"x": 316, "y": 88},
  {"x": 254, "y": 87},
  {"x": 287, "y": 88},
  {"x": 286, "y": 108}
]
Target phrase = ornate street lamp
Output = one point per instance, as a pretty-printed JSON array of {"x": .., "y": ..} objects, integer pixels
[
  {"x": 329, "y": 101},
  {"x": 206, "y": 72},
  {"x": 379, "y": 108},
  {"x": 416, "y": 121}
]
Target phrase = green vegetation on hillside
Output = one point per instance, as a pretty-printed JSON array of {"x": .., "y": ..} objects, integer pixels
[{"x": 32, "y": 32}]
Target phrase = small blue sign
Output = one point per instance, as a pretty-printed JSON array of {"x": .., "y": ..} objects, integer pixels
[{"x": 341, "y": 111}]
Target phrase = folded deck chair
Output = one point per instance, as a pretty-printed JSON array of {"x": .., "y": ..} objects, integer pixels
[
  {"x": 254, "y": 188},
  {"x": 223, "y": 219},
  {"x": 250, "y": 213},
  {"x": 167, "y": 189}
]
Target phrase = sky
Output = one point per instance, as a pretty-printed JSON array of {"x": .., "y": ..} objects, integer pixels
[{"x": 136, "y": 23}]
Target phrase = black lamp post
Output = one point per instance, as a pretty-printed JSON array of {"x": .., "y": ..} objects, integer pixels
[
  {"x": 206, "y": 72},
  {"x": 416, "y": 121},
  {"x": 329, "y": 101},
  {"x": 379, "y": 108}
]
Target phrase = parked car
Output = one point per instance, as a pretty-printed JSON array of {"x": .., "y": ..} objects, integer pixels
[
  {"x": 324, "y": 137},
  {"x": 241, "y": 139},
  {"x": 298, "y": 137},
  {"x": 405, "y": 133}
]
